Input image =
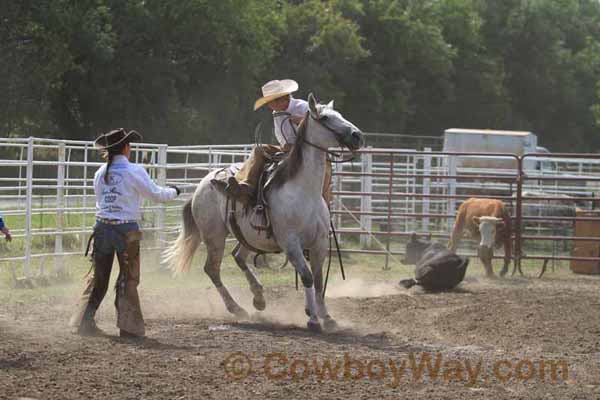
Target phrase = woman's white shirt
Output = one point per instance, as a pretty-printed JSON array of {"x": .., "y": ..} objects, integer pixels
[{"x": 128, "y": 184}]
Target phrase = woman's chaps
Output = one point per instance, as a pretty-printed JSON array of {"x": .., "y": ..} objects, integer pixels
[{"x": 108, "y": 241}]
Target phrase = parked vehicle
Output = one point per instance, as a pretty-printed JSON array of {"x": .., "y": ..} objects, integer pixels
[
  {"x": 508, "y": 142},
  {"x": 495, "y": 141}
]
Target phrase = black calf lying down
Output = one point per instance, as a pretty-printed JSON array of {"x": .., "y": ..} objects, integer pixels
[{"x": 437, "y": 267}]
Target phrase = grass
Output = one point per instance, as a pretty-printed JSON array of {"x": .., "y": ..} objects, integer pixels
[{"x": 72, "y": 242}]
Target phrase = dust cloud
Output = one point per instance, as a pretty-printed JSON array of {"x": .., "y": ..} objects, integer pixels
[{"x": 207, "y": 303}]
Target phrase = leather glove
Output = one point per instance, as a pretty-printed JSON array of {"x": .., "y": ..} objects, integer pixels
[{"x": 176, "y": 189}]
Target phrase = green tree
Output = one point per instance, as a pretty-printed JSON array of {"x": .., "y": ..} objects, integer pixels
[
  {"x": 33, "y": 58},
  {"x": 406, "y": 79},
  {"x": 546, "y": 49},
  {"x": 177, "y": 67},
  {"x": 319, "y": 46},
  {"x": 189, "y": 71},
  {"x": 478, "y": 98}
]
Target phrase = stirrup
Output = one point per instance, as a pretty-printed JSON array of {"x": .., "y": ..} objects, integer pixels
[{"x": 259, "y": 210}]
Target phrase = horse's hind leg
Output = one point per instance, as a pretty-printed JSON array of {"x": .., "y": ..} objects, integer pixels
[
  {"x": 215, "y": 249},
  {"x": 240, "y": 254}
]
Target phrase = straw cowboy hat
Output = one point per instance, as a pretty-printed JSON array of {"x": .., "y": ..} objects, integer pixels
[
  {"x": 116, "y": 137},
  {"x": 274, "y": 89}
]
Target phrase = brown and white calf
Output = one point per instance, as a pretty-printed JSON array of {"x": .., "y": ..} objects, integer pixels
[{"x": 488, "y": 221}]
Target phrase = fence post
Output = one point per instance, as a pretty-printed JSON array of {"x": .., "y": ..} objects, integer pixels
[
  {"x": 28, "y": 211},
  {"x": 366, "y": 183},
  {"x": 389, "y": 213},
  {"x": 426, "y": 189},
  {"x": 161, "y": 179},
  {"x": 20, "y": 173},
  {"x": 451, "y": 190},
  {"x": 338, "y": 202},
  {"x": 518, "y": 247},
  {"x": 60, "y": 182},
  {"x": 84, "y": 204}
]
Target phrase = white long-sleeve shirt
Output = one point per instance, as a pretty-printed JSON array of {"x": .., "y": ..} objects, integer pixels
[
  {"x": 284, "y": 127},
  {"x": 128, "y": 184}
]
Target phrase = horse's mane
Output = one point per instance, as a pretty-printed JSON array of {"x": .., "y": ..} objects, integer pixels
[{"x": 291, "y": 165}]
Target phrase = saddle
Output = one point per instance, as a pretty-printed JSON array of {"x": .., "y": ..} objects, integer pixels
[{"x": 258, "y": 208}]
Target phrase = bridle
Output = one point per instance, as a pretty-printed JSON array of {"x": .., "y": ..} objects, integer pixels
[{"x": 331, "y": 154}]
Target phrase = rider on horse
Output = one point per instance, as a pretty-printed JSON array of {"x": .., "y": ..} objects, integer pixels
[{"x": 288, "y": 113}]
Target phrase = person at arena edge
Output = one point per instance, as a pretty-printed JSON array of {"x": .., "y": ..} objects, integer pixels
[
  {"x": 120, "y": 187},
  {"x": 4, "y": 229},
  {"x": 288, "y": 113}
]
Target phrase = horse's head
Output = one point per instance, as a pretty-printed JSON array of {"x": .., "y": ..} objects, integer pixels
[{"x": 330, "y": 129}]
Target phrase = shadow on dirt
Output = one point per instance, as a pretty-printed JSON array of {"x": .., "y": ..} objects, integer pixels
[
  {"x": 22, "y": 362},
  {"x": 148, "y": 343},
  {"x": 341, "y": 336}
]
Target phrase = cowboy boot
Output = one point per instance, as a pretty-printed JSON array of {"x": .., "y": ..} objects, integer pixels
[{"x": 88, "y": 327}]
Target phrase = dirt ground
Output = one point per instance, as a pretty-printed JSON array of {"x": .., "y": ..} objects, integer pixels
[{"x": 516, "y": 338}]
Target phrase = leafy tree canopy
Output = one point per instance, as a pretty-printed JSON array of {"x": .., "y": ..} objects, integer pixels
[{"x": 188, "y": 71}]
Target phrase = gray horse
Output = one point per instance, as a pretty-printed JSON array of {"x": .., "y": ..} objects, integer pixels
[{"x": 298, "y": 213}]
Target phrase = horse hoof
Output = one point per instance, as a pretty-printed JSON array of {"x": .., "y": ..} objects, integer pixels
[
  {"x": 307, "y": 312},
  {"x": 503, "y": 272},
  {"x": 314, "y": 326},
  {"x": 259, "y": 303},
  {"x": 329, "y": 324}
]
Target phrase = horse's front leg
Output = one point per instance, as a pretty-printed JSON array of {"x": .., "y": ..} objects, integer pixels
[
  {"x": 296, "y": 257},
  {"x": 318, "y": 255}
]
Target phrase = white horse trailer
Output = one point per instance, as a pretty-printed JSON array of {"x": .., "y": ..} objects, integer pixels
[{"x": 493, "y": 141}]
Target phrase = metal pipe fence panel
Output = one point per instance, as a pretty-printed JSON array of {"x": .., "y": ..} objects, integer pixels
[
  {"x": 47, "y": 197},
  {"x": 543, "y": 197}
]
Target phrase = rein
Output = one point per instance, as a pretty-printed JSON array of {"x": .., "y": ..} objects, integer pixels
[
  {"x": 327, "y": 151},
  {"x": 331, "y": 154},
  {"x": 339, "y": 254}
]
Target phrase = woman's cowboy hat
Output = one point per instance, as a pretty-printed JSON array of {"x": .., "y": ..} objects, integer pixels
[
  {"x": 116, "y": 137},
  {"x": 274, "y": 89}
]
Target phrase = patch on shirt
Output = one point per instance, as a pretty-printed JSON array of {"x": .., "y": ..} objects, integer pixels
[{"x": 114, "y": 178}]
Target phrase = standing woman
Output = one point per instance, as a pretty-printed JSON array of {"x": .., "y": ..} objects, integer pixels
[{"x": 120, "y": 187}]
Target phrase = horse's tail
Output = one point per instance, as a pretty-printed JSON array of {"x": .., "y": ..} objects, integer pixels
[{"x": 179, "y": 255}]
